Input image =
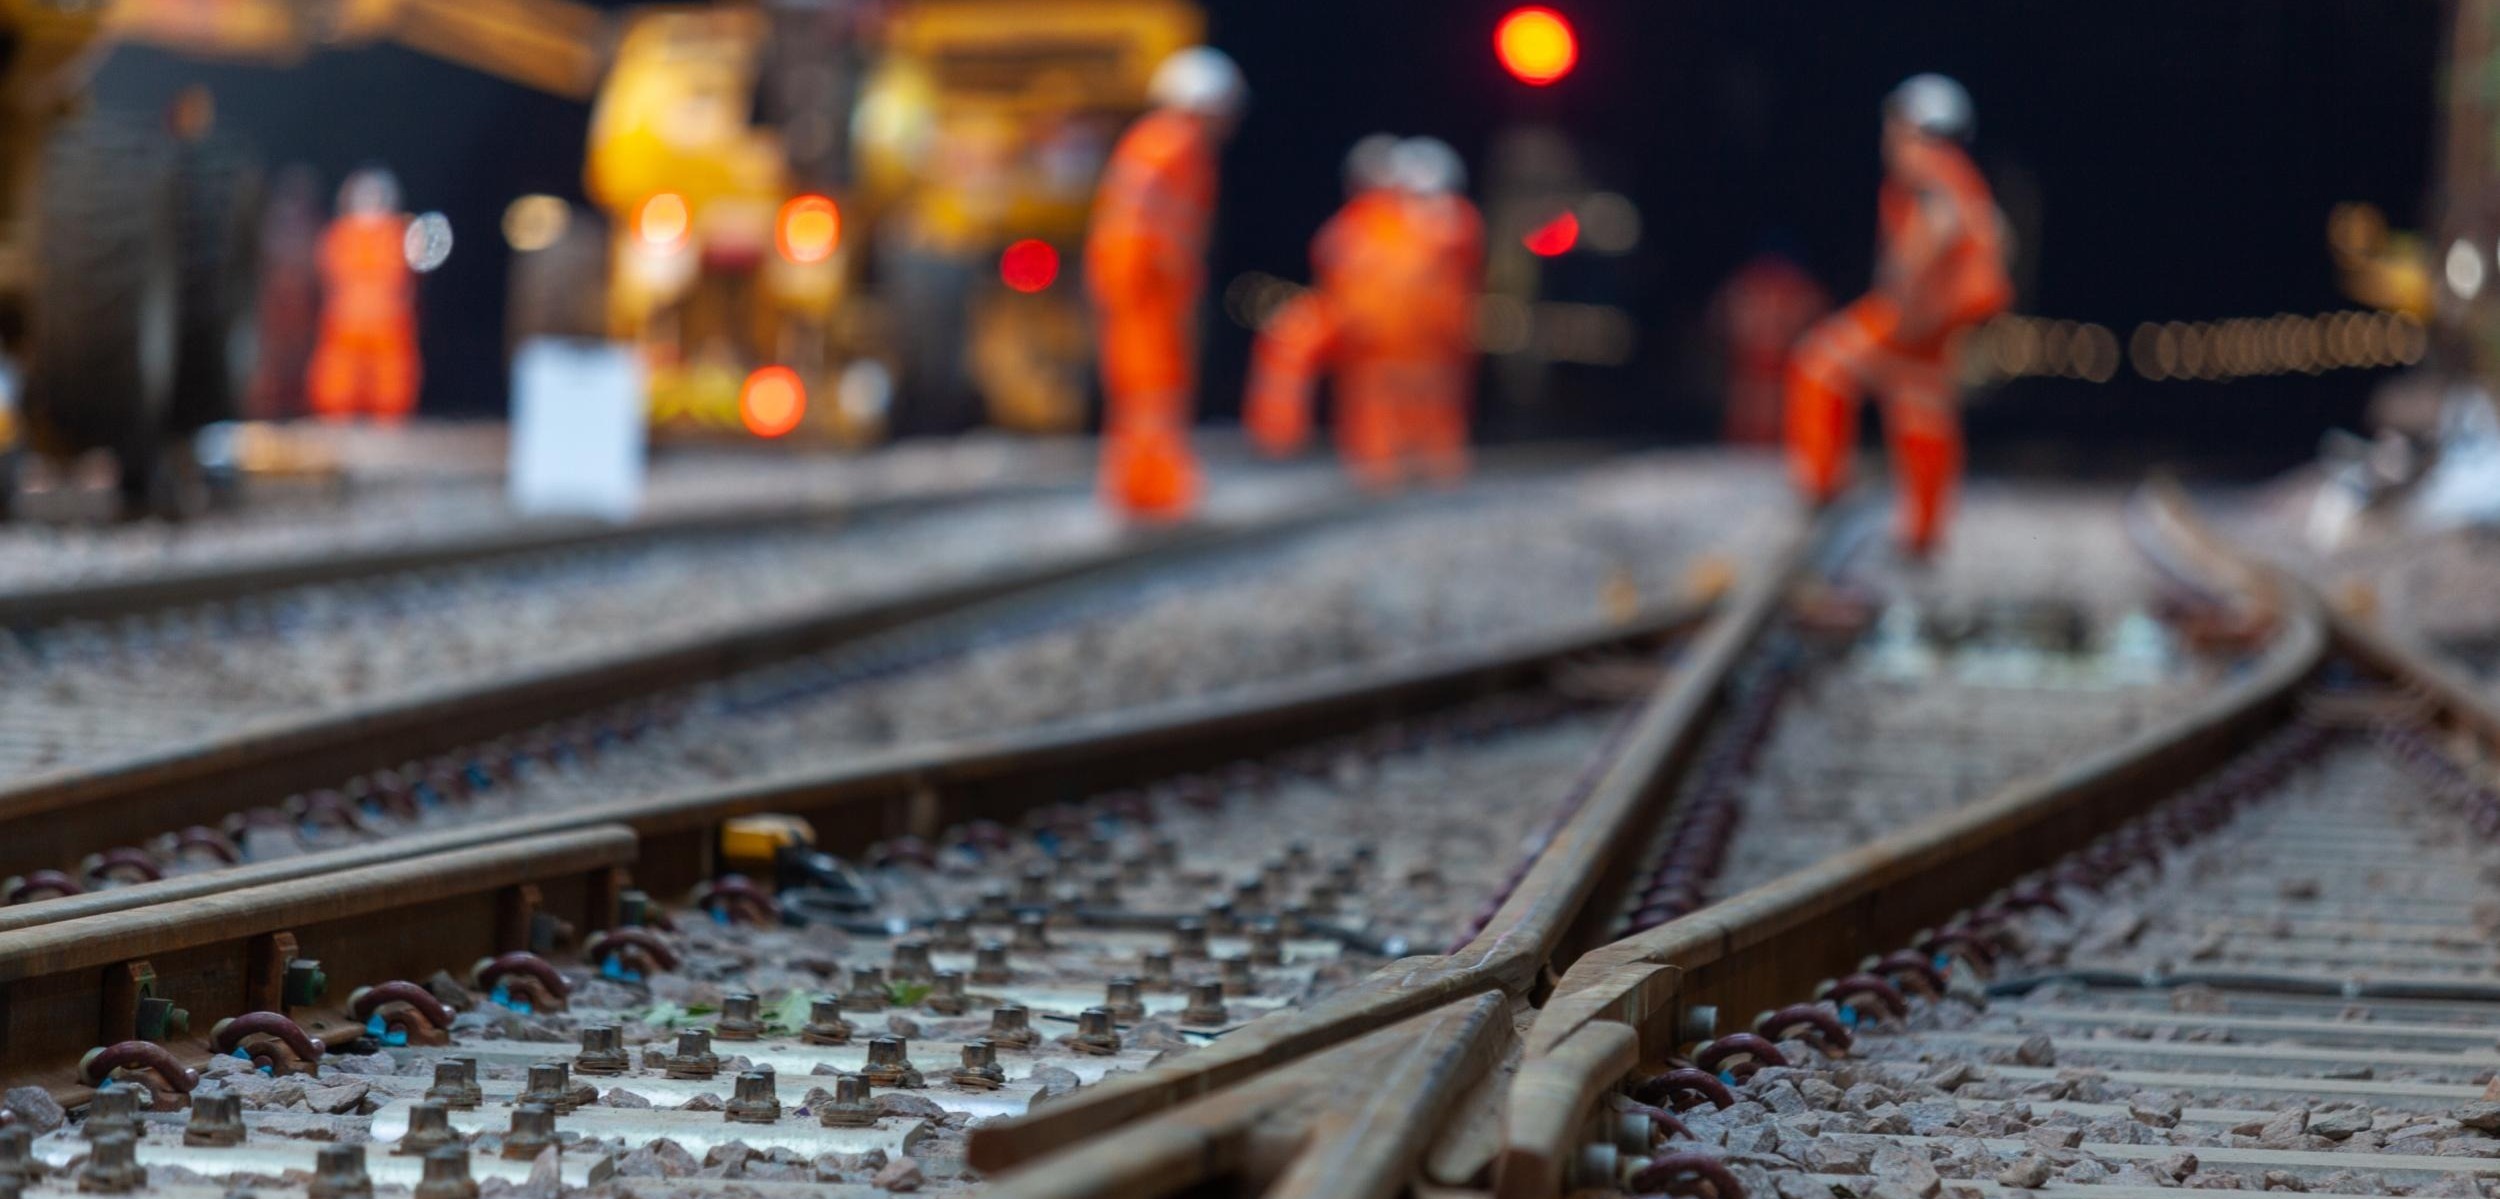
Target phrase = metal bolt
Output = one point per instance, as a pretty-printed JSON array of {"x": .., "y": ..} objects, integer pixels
[
  {"x": 447, "y": 1175},
  {"x": 533, "y": 1130},
  {"x": 1249, "y": 894},
  {"x": 1267, "y": 945},
  {"x": 980, "y": 1070},
  {"x": 1155, "y": 969},
  {"x": 339, "y": 1173},
  {"x": 1033, "y": 887},
  {"x": 550, "y": 1085},
  {"x": 603, "y": 1051},
  {"x": 889, "y": 1063},
  {"x": 989, "y": 964},
  {"x": 1189, "y": 939},
  {"x": 17, "y": 1155},
  {"x": 114, "y": 1109},
  {"x": 1219, "y": 916},
  {"x": 305, "y": 984},
  {"x": 113, "y": 1165},
  {"x": 694, "y": 1057},
  {"x": 954, "y": 933},
  {"x": 1700, "y": 1022},
  {"x": 1030, "y": 932},
  {"x": 1012, "y": 1025},
  {"x": 429, "y": 1128},
  {"x": 1294, "y": 920},
  {"x": 1321, "y": 898},
  {"x": 216, "y": 1119},
  {"x": 632, "y": 908},
  {"x": 911, "y": 960},
  {"x": 1237, "y": 977},
  {"x": 739, "y": 1018},
  {"x": 1122, "y": 999},
  {"x": 1206, "y": 1004},
  {"x": 1095, "y": 1033},
  {"x": 868, "y": 992},
  {"x": 1104, "y": 891},
  {"x": 994, "y": 908},
  {"x": 455, "y": 1083},
  {"x": 946, "y": 993},
  {"x": 851, "y": 1107},
  {"x": 825, "y": 1025},
  {"x": 756, "y": 1099}
]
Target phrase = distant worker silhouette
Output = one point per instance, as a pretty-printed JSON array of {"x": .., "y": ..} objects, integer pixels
[
  {"x": 1941, "y": 272},
  {"x": 1145, "y": 266},
  {"x": 1392, "y": 313}
]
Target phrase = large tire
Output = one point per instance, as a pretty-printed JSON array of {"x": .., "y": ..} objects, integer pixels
[
  {"x": 102, "y": 328},
  {"x": 219, "y": 198}
]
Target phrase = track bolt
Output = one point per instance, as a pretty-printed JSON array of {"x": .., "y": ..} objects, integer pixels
[
  {"x": 455, "y": 1084},
  {"x": 550, "y": 1085},
  {"x": 1154, "y": 969},
  {"x": 851, "y": 1106},
  {"x": 1219, "y": 916},
  {"x": 339, "y": 1173},
  {"x": 533, "y": 1130},
  {"x": 1206, "y": 1004},
  {"x": 1321, "y": 899},
  {"x": 756, "y": 1099},
  {"x": 112, "y": 1165},
  {"x": 694, "y": 1057},
  {"x": 1095, "y": 1033},
  {"x": 954, "y": 934},
  {"x": 738, "y": 1018},
  {"x": 946, "y": 994},
  {"x": 994, "y": 908},
  {"x": 603, "y": 1051},
  {"x": 18, "y": 1166},
  {"x": 1103, "y": 891},
  {"x": 980, "y": 1070},
  {"x": 989, "y": 964},
  {"x": 1032, "y": 934},
  {"x": 1189, "y": 939},
  {"x": 1238, "y": 979},
  {"x": 1011, "y": 1025},
  {"x": 305, "y": 983},
  {"x": 1249, "y": 894},
  {"x": 911, "y": 960},
  {"x": 868, "y": 992},
  {"x": 429, "y": 1129},
  {"x": 825, "y": 1025},
  {"x": 114, "y": 1109},
  {"x": 1123, "y": 1000},
  {"x": 447, "y": 1175},
  {"x": 216, "y": 1119},
  {"x": 1267, "y": 945},
  {"x": 1033, "y": 886},
  {"x": 889, "y": 1063}
]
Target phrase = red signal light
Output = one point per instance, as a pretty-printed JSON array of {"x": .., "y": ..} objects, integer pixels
[
  {"x": 1029, "y": 265},
  {"x": 1554, "y": 237},
  {"x": 1536, "y": 45},
  {"x": 772, "y": 402}
]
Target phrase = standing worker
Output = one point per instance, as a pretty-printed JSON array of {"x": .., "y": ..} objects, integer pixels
[
  {"x": 1145, "y": 267},
  {"x": 1392, "y": 310},
  {"x": 365, "y": 361},
  {"x": 1941, "y": 272}
]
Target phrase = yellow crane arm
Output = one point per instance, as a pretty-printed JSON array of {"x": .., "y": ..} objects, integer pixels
[{"x": 555, "y": 46}]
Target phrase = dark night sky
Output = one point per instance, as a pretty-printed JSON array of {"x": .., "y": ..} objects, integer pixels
[{"x": 2184, "y": 156}]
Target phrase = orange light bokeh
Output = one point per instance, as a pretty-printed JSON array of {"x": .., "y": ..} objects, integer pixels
[
  {"x": 809, "y": 230},
  {"x": 663, "y": 220},
  {"x": 1536, "y": 45},
  {"x": 773, "y": 401}
]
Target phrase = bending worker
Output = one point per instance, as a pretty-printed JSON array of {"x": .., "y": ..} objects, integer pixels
[
  {"x": 364, "y": 362},
  {"x": 1392, "y": 312},
  {"x": 1941, "y": 272},
  {"x": 1145, "y": 266}
]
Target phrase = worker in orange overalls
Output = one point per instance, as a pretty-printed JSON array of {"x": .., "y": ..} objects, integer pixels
[
  {"x": 1941, "y": 272},
  {"x": 1758, "y": 316},
  {"x": 1392, "y": 310},
  {"x": 365, "y": 361},
  {"x": 1145, "y": 266}
]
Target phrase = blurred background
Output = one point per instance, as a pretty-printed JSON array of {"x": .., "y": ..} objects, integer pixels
[{"x": 2165, "y": 169}]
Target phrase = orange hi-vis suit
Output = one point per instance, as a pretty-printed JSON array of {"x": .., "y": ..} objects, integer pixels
[
  {"x": 1145, "y": 266},
  {"x": 1392, "y": 313},
  {"x": 1941, "y": 272},
  {"x": 365, "y": 363},
  {"x": 1759, "y": 315}
]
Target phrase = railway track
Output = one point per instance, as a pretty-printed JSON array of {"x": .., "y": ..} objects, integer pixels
[{"x": 1218, "y": 842}]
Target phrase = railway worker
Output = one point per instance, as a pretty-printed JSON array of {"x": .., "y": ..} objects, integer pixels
[
  {"x": 1941, "y": 271},
  {"x": 1145, "y": 267},
  {"x": 1392, "y": 313},
  {"x": 1294, "y": 341},
  {"x": 364, "y": 361},
  {"x": 1758, "y": 316}
]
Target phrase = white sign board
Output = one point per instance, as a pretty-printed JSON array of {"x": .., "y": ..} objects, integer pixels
[{"x": 578, "y": 429}]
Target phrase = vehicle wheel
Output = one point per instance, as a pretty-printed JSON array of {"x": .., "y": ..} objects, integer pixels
[
  {"x": 219, "y": 196},
  {"x": 103, "y": 322}
]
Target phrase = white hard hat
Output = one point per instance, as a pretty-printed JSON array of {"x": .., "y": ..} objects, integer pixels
[
  {"x": 1427, "y": 166},
  {"x": 1199, "y": 79},
  {"x": 1371, "y": 163},
  {"x": 1933, "y": 105}
]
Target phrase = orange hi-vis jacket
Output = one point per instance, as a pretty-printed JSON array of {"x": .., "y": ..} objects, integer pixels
[
  {"x": 365, "y": 362},
  {"x": 1145, "y": 267},
  {"x": 1943, "y": 258}
]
